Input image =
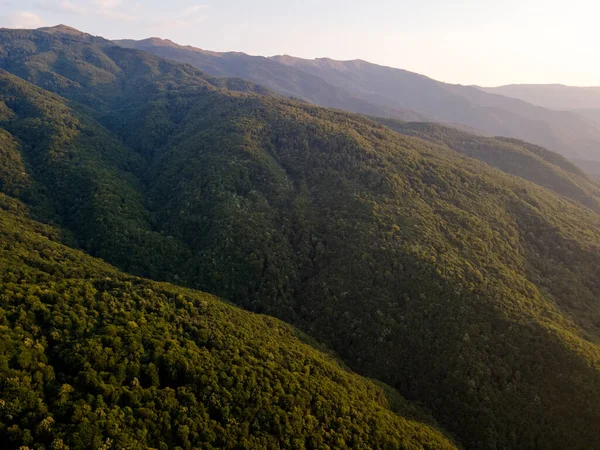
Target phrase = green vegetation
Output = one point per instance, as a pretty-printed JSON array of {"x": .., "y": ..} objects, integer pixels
[
  {"x": 469, "y": 290},
  {"x": 92, "y": 358},
  {"x": 512, "y": 156},
  {"x": 75, "y": 173},
  {"x": 565, "y": 132},
  {"x": 364, "y": 88}
]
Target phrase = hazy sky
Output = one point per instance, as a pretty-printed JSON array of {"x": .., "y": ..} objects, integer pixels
[{"x": 481, "y": 42}]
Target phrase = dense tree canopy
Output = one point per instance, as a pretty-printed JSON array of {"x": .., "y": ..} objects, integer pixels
[
  {"x": 512, "y": 156},
  {"x": 92, "y": 358},
  {"x": 469, "y": 290}
]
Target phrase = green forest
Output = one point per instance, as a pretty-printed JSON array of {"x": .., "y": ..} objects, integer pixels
[
  {"x": 459, "y": 273},
  {"x": 93, "y": 358}
]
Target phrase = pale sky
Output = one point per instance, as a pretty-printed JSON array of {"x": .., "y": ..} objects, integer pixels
[{"x": 480, "y": 42}]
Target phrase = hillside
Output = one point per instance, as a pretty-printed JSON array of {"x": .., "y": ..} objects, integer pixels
[
  {"x": 285, "y": 80},
  {"x": 76, "y": 174},
  {"x": 91, "y": 357},
  {"x": 365, "y": 88},
  {"x": 495, "y": 115},
  {"x": 466, "y": 289},
  {"x": 512, "y": 156}
]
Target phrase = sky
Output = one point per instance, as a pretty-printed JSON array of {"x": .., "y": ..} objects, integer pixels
[{"x": 483, "y": 42}]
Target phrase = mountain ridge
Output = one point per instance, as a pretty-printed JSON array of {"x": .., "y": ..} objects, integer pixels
[
  {"x": 273, "y": 76},
  {"x": 396, "y": 93},
  {"x": 554, "y": 96}
]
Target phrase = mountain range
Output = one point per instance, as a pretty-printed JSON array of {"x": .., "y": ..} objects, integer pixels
[
  {"x": 584, "y": 101},
  {"x": 365, "y": 88},
  {"x": 553, "y": 96},
  {"x": 440, "y": 287}
]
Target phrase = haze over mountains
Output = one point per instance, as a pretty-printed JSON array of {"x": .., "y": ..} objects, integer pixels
[
  {"x": 584, "y": 101},
  {"x": 267, "y": 72},
  {"x": 366, "y": 88},
  {"x": 553, "y": 96},
  {"x": 460, "y": 273}
]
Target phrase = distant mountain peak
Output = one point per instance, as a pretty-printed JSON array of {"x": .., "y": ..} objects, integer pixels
[
  {"x": 63, "y": 29},
  {"x": 159, "y": 41},
  {"x": 156, "y": 42}
]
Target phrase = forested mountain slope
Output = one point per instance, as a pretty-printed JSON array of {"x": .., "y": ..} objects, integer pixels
[
  {"x": 512, "y": 156},
  {"x": 76, "y": 174},
  {"x": 370, "y": 241},
  {"x": 94, "y": 71},
  {"x": 365, "y": 88},
  {"x": 469, "y": 290},
  {"x": 93, "y": 358},
  {"x": 561, "y": 131},
  {"x": 283, "y": 79}
]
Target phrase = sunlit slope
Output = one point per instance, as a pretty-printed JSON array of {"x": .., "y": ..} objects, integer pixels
[{"x": 93, "y": 357}]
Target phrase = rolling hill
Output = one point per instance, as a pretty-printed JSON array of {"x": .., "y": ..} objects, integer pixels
[{"x": 469, "y": 290}]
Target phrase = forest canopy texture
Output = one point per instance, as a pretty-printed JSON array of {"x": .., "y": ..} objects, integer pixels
[{"x": 461, "y": 271}]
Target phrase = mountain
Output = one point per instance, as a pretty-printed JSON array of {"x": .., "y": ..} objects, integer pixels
[
  {"x": 512, "y": 156},
  {"x": 592, "y": 168},
  {"x": 365, "y": 88},
  {"x": 590, "y": 114},
  {"x": 553, "y": 96},
  {"x": 470, "y": 291},
  {"x": 583, "y": 101},
  {"x": 92, "y": 357},
  {"x": 495, "y": 115},
  {"x": 282, "y": 79}
]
